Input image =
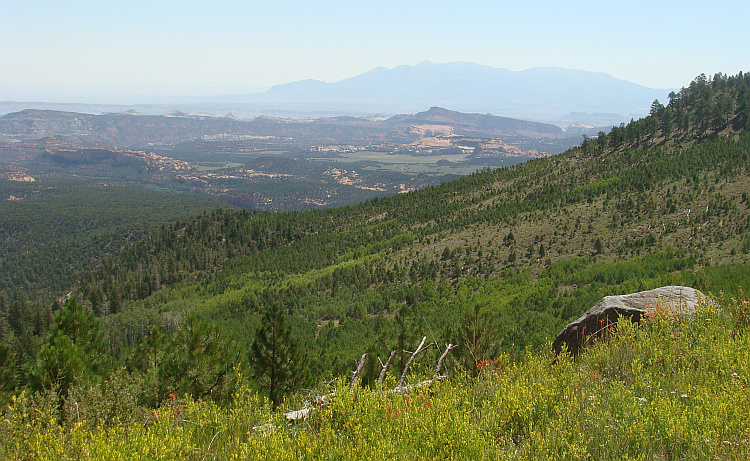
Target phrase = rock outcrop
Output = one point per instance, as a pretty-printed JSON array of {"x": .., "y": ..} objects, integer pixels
[{"x": 597, "y": 320}]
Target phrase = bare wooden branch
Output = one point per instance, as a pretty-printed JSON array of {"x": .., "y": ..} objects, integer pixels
[
  {"x": 358, "y": 371},
  {"x": 320, "y": 401},
  {"x": 384, "y": 370},
  {"x": 421, "y": 348},
  {"x": 298, "y": 415},
  {"x": 442, "y": 358}
]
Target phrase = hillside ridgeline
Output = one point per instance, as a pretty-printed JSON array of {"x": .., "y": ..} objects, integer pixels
[
  {"x": 520, "y": 250},
  {"x": 134, "y": 130}
]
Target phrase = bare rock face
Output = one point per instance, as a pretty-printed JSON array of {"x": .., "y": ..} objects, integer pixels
[{"x": 598, "y": 319}]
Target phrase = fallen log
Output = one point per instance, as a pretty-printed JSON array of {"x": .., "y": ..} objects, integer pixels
[{"x": 303, "y": 413}]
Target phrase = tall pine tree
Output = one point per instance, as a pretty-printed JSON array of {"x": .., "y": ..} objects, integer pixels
[
  {"x": 75, "y": 352},
  {"x": 201, "y": 362},
  {"x": 278, "y": 363}
]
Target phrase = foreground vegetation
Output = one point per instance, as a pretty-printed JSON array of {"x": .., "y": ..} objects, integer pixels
[{"x": 671, "y": 388}]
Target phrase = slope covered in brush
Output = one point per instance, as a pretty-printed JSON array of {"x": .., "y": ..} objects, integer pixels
[
  {"x": 512, "y": 253},
  {"x": 497, "y": 261},
  {"x": 639, "y": 173},
  {"x": 666, "y": 390}
]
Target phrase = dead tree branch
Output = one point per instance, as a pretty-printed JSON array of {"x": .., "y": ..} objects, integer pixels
[
  {"x": 384, "y": 370},
  {"x": 442, "y": 359},
  {"x": 358, "y": 371},
  {"x": 421, "y": 348},
  {"x": 321, "y": 401}
]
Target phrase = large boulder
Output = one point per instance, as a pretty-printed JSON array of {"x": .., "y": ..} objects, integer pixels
[{"x": 599, "y": 319}]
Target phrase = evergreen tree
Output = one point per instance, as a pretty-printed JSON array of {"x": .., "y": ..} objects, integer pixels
[
  {"x": 477, "y": 337},
  {"x": 146, "y": 361},
  {"x": 8, "y": 375},
  {"x": 199, "y": 361},
  {"x": 598, "y": 245},
  {"x": 277, "y": 362},
  {"x": 74, "y": 353},
  {"x": 406, "y": 331}
]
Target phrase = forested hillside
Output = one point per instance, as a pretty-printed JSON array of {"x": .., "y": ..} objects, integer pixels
[
  {"x": 53, "y": 229},
  {"x": 496, "y": 262}
]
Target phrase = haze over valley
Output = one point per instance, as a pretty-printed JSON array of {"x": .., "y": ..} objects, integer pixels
[
  {"x": 546, "y": 94},
  {"x": 312, "y": 144}
]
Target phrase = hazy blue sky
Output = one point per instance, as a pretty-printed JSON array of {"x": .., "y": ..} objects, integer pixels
[{"x": 139, "y": 47}]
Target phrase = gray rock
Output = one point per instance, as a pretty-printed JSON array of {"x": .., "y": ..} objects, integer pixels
[{"x": 597, "y": 320}]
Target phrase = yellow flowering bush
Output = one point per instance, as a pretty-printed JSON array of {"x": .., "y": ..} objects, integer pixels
[{"x": 669, "y": 388}]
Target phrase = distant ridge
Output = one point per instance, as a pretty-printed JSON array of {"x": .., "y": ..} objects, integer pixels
[
  {"x": 130, "y": 129},
  {"x": 552, "y": 94},
  {"x": 486, "y": 124}
]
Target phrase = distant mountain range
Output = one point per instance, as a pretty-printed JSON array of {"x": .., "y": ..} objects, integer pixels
[{"x": 548, "y": 94}]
